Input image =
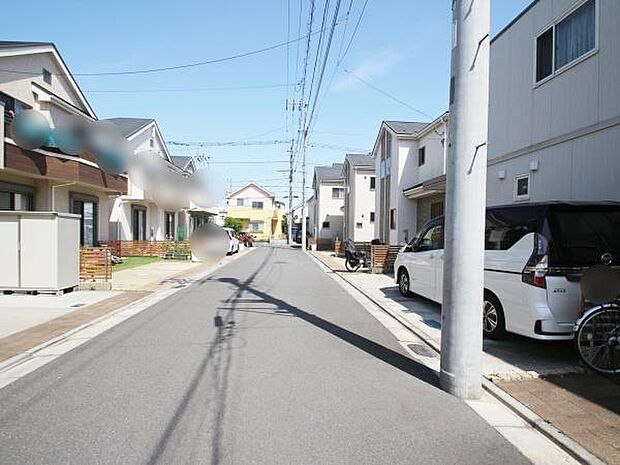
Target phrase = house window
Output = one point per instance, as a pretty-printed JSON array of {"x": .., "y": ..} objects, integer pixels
[
  {"x": 88, "y": 207},
  {"x": 257, "y": 205},
  {"x": 544, "y": 55},
  {"x": 326, "y": 224},
  {"x": 337, "y": 193},
  {"x": 522, "y": 187},
  {"x": 47, "y": 76},
  {"x": 170, "y": 225},
  {"x": 436, "y": 209},
  {"x": 393, "y": 218},
  {"x": 372, "y": 183},
  {"x": 138, "y": 222},
  {"x": 240, "y": 202},
  {"x": 359, "y": 225},
  {"x": 566, "y": 41},
  {"x": 372, "y": 217},
  {"x": 14, "y": 197},
  {"x": 421, "y": 156},
  {"x": 12, "y": 107},
  {"x": 256, "y": 226}
]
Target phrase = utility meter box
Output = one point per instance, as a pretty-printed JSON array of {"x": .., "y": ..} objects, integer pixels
[{"x": 39, "y": 251}]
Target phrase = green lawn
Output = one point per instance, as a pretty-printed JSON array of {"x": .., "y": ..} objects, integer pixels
[{"x": 132, "y": 262}]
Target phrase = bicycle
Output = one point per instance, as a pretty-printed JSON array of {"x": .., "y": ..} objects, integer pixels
[
  {"x": 597, "y": 338},
  {"x": 597, "y": 331},
  {"x": 354, "y": 259}
]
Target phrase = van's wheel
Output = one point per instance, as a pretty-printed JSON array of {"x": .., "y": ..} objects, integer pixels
[
  {"x": 404, "y": 283},
  {"x": 493, "y": 322}
]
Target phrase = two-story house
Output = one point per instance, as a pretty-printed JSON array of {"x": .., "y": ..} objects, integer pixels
[
  {"x": 142, "y": 214},
  {"x": 359, "y": 199},
  {"x": 33, "y": 76},
  {"x": 554, "y": 116},
  {"x": 410, "y": 177},
  {"x": 258, "y": 210},
  {"x": 328, "y": 200}
]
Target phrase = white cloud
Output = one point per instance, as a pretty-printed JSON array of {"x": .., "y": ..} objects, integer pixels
[{"x": 373, "y": 65}]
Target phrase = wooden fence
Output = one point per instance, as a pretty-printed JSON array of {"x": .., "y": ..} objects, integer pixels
[
  {"x": 339, "y": 248},
  {"x": 382, "y": 258},
  {"x": 164, "y": 249},
  {"x": 95, "y": 264}
]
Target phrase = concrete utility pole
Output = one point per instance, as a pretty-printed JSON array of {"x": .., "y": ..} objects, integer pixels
[
  {"x": 303, "y": 196},
  {"x": 290, "y": 194},
  {"x": 461, "y": 338}
]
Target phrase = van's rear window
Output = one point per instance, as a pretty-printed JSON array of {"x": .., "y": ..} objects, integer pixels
[
  {"x": 580, "y": 236},
  {"x": 505, "y": 226}
]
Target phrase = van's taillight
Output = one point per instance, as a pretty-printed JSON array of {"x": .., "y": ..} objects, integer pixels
[{"x": 538, "y": 265}]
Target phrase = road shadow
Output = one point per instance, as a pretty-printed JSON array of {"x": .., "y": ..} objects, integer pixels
[
  {"x": 555, "y": 362},
  {"x": 211, "y": 375},
  {"x": 385, "y": 354}
]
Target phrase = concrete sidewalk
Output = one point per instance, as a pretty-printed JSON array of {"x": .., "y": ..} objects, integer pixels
[
  {"x": 545, "y": 377},
  {"x": 27, "y": 321}
]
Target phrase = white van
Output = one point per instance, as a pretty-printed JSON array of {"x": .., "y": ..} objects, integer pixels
[{"x": 534, "y": 258}]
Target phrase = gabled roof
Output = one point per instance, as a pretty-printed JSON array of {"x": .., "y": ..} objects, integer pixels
[
  {"x": 242, "y": 188},
  {"x": 11, "y": 48},
  {"x": 129, "y": 126},
  {"x": 182, "y": 162},
  {"x": 405, "y": 128},
  {"x": 17, "y": 43},
  {"x": 328, "y": 173},
  {"x": 359, "y": 160}
]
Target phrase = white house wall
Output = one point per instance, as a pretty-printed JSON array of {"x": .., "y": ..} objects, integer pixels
[
  {"x": 528, "y": 122},
  {"x": 20, "y": 86},
  {"x": 330, "y": 210},
  {"x": 364, "y": 205},
  {"x": 251, "y": 194}
]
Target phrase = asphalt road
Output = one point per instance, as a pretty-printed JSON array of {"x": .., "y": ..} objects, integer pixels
[{"x": 300, "y": 373}]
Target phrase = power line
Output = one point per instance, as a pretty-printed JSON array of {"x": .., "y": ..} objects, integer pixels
[
  {"x": 178, "y": 67},
  {"x": 324, "y": 64},
  {"x": 187, "y": 89},
  {"x": 357, "y": 24},
  {"x": 390, "y": 96},
  {"x": 226, "y": 143}
]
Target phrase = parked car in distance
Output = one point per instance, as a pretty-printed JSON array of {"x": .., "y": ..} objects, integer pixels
[
  {"x": 246, "y": 239},
  {"x": 297, "y": 236},
  {"x": 233, "y": 245},
  {"x": 534, "y": 257}
]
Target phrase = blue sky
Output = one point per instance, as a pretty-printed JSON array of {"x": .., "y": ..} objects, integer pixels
[{"x": 401, "y": 46}]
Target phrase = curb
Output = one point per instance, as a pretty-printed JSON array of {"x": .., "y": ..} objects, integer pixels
[
  {"x": 156, "y": 296},
  {"x": 574, "y": 449}
]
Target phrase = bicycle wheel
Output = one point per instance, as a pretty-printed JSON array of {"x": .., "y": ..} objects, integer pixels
[
  {"x": 352, "y": 265},
  {"x": 598, "y": 339}
]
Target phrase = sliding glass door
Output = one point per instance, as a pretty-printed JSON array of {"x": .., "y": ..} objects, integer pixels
[
  {"x": 88, "y": 208},
  {"x": 138, "y": 214}
]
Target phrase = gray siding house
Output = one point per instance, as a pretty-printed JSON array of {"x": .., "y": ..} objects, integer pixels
[{"x": 554, "y": 121}]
